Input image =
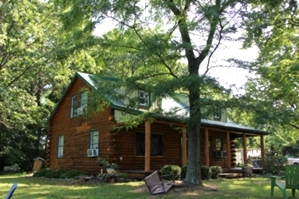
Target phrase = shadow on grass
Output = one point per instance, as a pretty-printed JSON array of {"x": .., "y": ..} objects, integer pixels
[
  {"x": 41, "y": 188},
  {"x": 30, "y": 187}
]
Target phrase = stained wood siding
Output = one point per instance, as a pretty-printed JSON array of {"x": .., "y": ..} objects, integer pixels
[
  {"x": 115, "y": 146},
  {"x": 125, "y": 148},
  {"x": 76, "y": 135}
]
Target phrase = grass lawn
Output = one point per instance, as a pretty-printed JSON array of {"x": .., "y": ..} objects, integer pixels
[{"x": 30, "y": 187}]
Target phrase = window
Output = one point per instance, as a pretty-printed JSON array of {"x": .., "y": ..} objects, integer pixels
[
  {"x": 217, "y": 115},
  {"x": 74, "y": 106},
  {"x": 60, "y": 146},
  {"x": 94, "y": 140},
  {"x": 143, "y": 98},
  {"x": 79, "y": 106},
  {"x": 219, "y": 148},
  {"x": 156, "y": 144},
  {"x": 219, "y": 144},
  {"x": 84, "y": 100}
]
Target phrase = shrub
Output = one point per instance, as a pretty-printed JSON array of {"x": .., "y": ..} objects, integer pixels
[
  {"x": 72, "y": 174},
  {"x": 205, "y": 172},
  {"x": 215, "y": 170},
  {"x": 40, "y": 173},
  {"x": 58, "y": 173},
  {"x": 171, "y": 169},
  {"x": 105, "y": 177},
  {"x": 54, "y": 173},
  {"x": 183, "y": 172}
]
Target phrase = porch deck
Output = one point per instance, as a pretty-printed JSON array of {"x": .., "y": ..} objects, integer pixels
[{"x": 235, "y": 172}]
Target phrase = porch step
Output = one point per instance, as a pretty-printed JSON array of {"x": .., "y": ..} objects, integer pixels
[{"x": 231, "y": 175}]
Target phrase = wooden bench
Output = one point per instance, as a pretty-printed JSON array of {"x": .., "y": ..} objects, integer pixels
[
  {"x": 291, "y": 181},
  {"x": 156, "y": 185}
]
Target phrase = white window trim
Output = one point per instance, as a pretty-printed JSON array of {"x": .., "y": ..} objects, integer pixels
[
  {"x": 92, "y": 144},
  {"x": 143, "y": 95},
  {"x": 60, "y": 147}
]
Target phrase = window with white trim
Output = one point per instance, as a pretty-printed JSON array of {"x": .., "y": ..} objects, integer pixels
[
  {"x": 79, "y": 105},
  {"x": 84, "y": 100},
  {"x": 94, "y": 139},
  {"x": 60, "y": 148},
  {"x": 74, "y": 106},
  {"x": 217, "y": 115},
  {"x": 143, "y": 98}
]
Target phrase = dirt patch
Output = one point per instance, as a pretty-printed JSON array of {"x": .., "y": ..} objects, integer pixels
[{"x": 180, "y": 187}]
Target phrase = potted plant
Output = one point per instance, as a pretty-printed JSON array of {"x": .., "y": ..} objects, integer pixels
[{"x": 110, "y": 167}]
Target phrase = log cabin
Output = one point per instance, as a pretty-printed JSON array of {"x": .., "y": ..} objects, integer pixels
[{"x": 75, "y": 140}]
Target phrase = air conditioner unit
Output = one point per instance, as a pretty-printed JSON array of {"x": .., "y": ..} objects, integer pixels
[
  {"x": 80, "y": 110},
  {"x": 92, "y": 152},
  {"x": 221, "y": 154}
]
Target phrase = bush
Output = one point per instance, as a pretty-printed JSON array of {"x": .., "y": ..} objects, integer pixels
[
  {"x": 215, "y": 170},
  {"x": 183, "y": 172},
  {"x": 58, "y": 173},
  {"x": 171, "y": 169},
  {"x": 72, "y": 174},
  {"x": 40, "y": 173},
  {"x": 54, "y": 173},
  {"x": 105, "y": 177},
  {"x": 205, "y": 172}
]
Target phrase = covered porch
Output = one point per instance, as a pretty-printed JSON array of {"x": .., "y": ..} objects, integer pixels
[{"x": 217, "y": 144}]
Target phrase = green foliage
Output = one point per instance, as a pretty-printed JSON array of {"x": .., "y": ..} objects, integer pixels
[
  {"x": 205, "y": 172},
  {"x": 58, "y": 173},
  {"x": 118, "y": 176},
  {"x": 72, "y": 174},
  {"x": 104, "y": 177},
  {"x": 41, "y": 173},
  {"x": 274, "y": 162},
  {"x": 103, "y": 162},
  {"x": 183, "y": 172},
  {"x": 215, "y": 171},
  {"x": 272, "y": 95},
  {"x": 174, "y": 170}
]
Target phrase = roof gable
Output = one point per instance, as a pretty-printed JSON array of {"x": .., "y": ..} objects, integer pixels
[{"x": 171, "y": 102}]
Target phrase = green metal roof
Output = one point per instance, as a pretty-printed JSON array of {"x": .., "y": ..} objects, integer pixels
[{"x": 92, "y": 80}]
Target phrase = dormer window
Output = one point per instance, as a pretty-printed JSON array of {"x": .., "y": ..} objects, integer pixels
[
  {"x": 143, "y": 98},
  {"x": 217, "y": 115}
]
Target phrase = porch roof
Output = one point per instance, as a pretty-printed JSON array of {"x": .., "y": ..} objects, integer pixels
[{"x": 231, "y": 126}]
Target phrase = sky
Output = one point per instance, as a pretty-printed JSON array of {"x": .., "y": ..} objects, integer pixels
[{"x": 225, "y": 75}]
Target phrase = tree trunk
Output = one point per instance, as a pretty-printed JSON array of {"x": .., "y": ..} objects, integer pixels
[{"x": 193, "y": 174}]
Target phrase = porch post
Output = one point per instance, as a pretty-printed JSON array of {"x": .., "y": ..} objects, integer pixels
[
  {"x": 207, "y": 155},
  {"x": 184, "y": 147},
  {"x": 262, "y": 150},
  {"x": 244, "y": 148},
  {"x": 147, "y": 155},
  {"x": 228, "y": 151}
]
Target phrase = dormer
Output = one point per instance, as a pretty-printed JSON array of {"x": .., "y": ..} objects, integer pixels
[
  {"x": 219, "y": 114},
  {"x": 143, "y": 99}
]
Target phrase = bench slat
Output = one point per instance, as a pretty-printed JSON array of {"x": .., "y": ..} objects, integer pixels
[{"x": 156, "y": 185}]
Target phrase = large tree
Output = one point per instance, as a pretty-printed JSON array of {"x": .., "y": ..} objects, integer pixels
[
  {"x": 183, "y": 37},
  {"x": 36, "y": 64},
  {"x": 275, "y": 87}
]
